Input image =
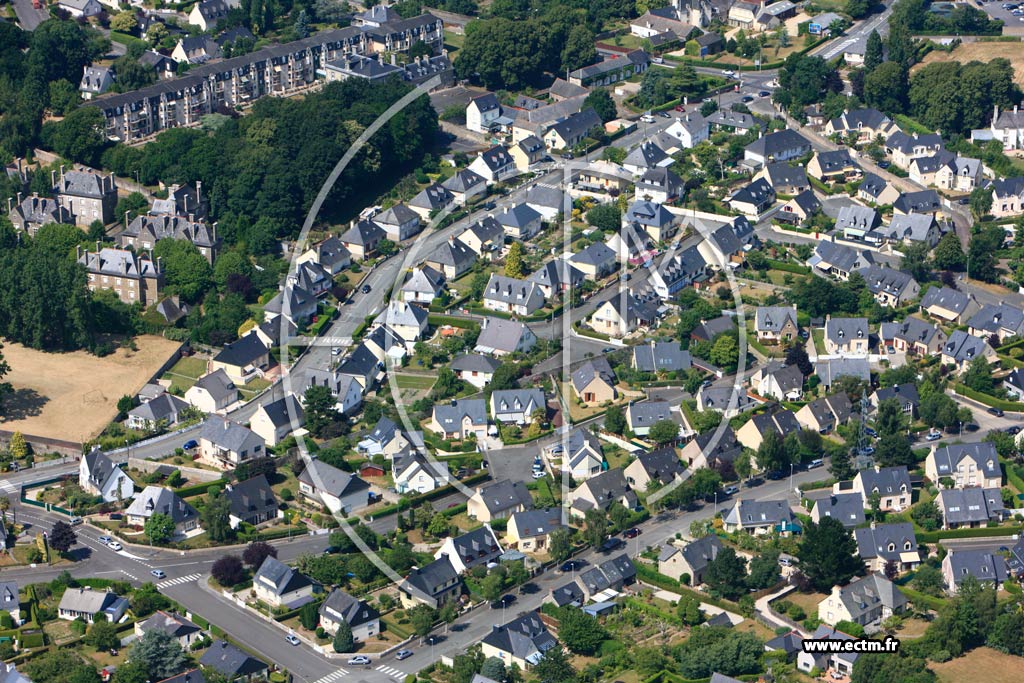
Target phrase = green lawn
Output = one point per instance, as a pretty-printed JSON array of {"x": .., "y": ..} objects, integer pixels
[
  {"x": 453, "y": 41},
  {"x": 415, "y": 381},
  {"x": 819, "y": 340},
  {"x": 253, "y": 388},
  {"x": 185, "y": 372}
]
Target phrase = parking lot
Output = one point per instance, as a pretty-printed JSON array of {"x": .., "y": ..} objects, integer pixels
[{"x": 1014, "y": 24}]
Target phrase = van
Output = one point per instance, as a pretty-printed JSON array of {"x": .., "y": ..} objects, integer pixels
[
  {"x": 817, "y": 462},
  {"x": 75, "y": 521}
]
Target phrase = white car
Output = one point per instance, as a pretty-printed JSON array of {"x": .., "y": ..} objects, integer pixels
[
  {"x": 934, "y": 436},
  {"x": 359, "y": 660},
  {"x": 292, "y": 639},
  {"x": 729, "y": 74},
  {"x": 114, "y": 545},
  {"x": 538, "y": 474}
]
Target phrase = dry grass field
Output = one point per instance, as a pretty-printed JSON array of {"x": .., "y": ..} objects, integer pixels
[
  {"x": 982, "y": 664},
  {"x": 982, "y": 52},
  {"x": 73, "y": 396}
]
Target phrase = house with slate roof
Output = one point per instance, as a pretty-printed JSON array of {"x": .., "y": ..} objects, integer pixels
[
  {"x": 164, "y": 409},
  {"x": 584, "y": 457},
  {"x": 882, "y": 543},
  {"x": 600, "y": 491},
  {"x": 970, "y": 507},
  {"x": 87, "y": 195},
  {"x": 509, "y": 295},
  {"x": 866, "y": 124},
  {"x": 233, "y": 663},
  {"x": 32, "y": 213},
  {"x": 498, "y": 500},
  {"x": 866, "y": 600},
  {"x": 781, "y": 145},
  {"x": 362, "y": 620},
  {"x": 661, "y": 356},
  {"x": 342, "y": 492},
  {"x": 452, "y": 258},
  {"x": 848, "y": 508},
  {"x": 984, "y": 565},
  {"x": 521, "y": 642},
  {"x": 399, "y": 223},
  {"x": 661, "y": 466},
  {"x": 620, "y": 316},
  {"x": 557, "y": 276},
  {"x": 679, "y": 270},
  {"x": 775, "y": 324},
  {"x": 434, "y": 584},
  {"x": 876, "y": 190},
  {"x": 156, "y": 500},
  {"x": 135, "y": 278},
  {"x": 502, "y": 337},
  {"x": 471, "y": 549},
  {"x": 1001, "y": 320},
  {"x": 518, "y": 406},
  {"x": 830, "y": 370},
  {"x": 949, "y": 305},
  {"x": 474, "y": 368},
  {"x": 891, "y": 485},
  {"x": 903, "y": 148},
  {"x": 430, "y": 200},
  {"x": 224, "y": 444},
  {"x": 962, "y": 349},
  {"x": 778, "y": 381},
  {"x": 520, "y": 222},
  {"x": 839, "y": 260},
  {"x": 892, "y": 288},
  {"x": 834, "y": 167},
  {"x": 753, "y": 199},
  {"x": 785, "y": 178},
  {"x": 99, "y": 476},
  {"x": 660, "y": 223},
  {"x": 690, "y": 560},
  {"x": 174, "y": 625},
  {"x": 243, "y": 359},
  {"x": 594, "y": 381},
  {"x": 252, "y": 501},
  {"x": 924, "y": 201},
  {"x": 413, "y": 472},
  {"x": 759, "y": 517},
  {"x": 276, "y": 421},
  {"x": 530, "y": 531},
  {"x": 423, "y": 286},
  {"x": 91, "y": 605},
  {"x": 494, "y": 165},
  {"x": 279, "y": 585},
  {"x": 825, "y": 414},
  {"x": 965, "y": 465},
  {"x": 846, "y": 336},
  {"x": 571, "y": 131},
  {"x": 213, "y": 392},
  {"x": 641, "y": 416},
  {"x": 459, "y": 419}
]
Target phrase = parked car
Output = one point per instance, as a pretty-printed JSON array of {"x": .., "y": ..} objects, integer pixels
[
  {"x": 612, "y": 544},
  {"x": 403, "y": 654},
  {"x": 867, "y": 450},
  {"x": 764, "y": 93},
  {"x": 753, "y": 481},
  {"x": 538, "y": 474},
  {"x": 365, "y": 289},
  {"x": 934, "y": 436},
  {"x": 1013, "y": 430},
  {"x": 971, "y": 427},
  {"x": 75, "y": 521},
  {"x": 608, "y": 349},
  {"x": 433, "y": 640},
  {"x": 632, "y": 533},
  {"x": 116, "y": 516},
  {"x": 504, "y": 601},
  {"x": 817, "y": 462},
  {"x": 871, "y": 432},
  {"x": 747, "y": 98},
  {"x": 572, "y": 566},
  {"x": 729, "y": 73},
  {"x": 115, "y": 546},
  {"x": 731, "y": 490},
  {"x": 359, "y": 660},
  {"x": 190, "y": 444},
  {"x": 998, "y": 412},
  {"x": 105, "y": 539},
  {"x": 775, "y": 475},
  {"x": 158, "y": 573}
]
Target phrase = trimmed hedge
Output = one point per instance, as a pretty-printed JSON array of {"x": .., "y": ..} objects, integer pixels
[
  {"x": 991, "y": 401},
  {"x": 199, "y": 489},
  {"x": 788, "y": 267},
  {"x": 439, "y": 320},
  {"x": 982, "y": 532},
  {"x": 1013, "y": 477},
  {"x": 922, "y": 600}
]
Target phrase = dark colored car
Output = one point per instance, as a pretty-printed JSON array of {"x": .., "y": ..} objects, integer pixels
[
  {"x": 572, "y": 566},
  {"x": 871, "y": 432},
  {"x": 752, "y": 482},
  {"x": 747, "y": 98},
  {"x": 365, "y": 289},
  {"x": 504, "y": 601},
  {"x": 1013, "y": 430},
  {"x": 775, "y": 475},
  {"x": 190, "y": 444},
  {"x": 632, "y": 533},
  {"x": 612, "y": 544},
  {"x": 998, "y": 412},
  {"x": 433, "y": 640},
  {"x": 971, "y": 427}
]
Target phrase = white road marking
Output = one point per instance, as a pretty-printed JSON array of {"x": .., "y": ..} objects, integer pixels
[
  {"x": 178, "y": 581},
  {"x": 333, "y": 676},
  {"x": 391, "y": 671}
]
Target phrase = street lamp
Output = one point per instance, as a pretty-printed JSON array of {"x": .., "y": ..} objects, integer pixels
[{"x": 791, "y": 465}]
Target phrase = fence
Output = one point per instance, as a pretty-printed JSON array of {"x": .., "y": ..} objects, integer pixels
[
  {"x": 190, "y": 473},
  {"x": 43, "y": 444}
]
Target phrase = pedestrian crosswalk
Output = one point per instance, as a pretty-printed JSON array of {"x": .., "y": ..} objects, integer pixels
[
  {"x": 178, "y": 581},
  {"x": 333, "y": 676},
  {"x": 7, "y": 487},
  {"x": 390, "y": 671}
]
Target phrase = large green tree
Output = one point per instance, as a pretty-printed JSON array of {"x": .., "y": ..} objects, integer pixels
[
  {"x": 828, "y": 554},
  {"x": 579, "y": 631},
  {"x": 949, "y": 253},
  {"x": 319, "y": 407},
  {"x": 885, "y": 87},
  {"x": 727, "y": 574},
  {"x": 160, "y": 652},
  {"x": 160, "y": 528}
]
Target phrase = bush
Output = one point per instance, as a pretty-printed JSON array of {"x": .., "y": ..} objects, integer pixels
[{"x": 796, "y": 613}]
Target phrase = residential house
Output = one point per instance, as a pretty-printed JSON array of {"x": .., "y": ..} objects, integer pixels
[
  {"x": 776, "y": 324},
  {"x": 823, "y": 415},
  {"x": 346, "y": 389},
  {"x": 661, "y": 357},
  {"x": 602, "y": 177},
  {"x": 156, "y": 500},
  {"x": 660, "y": 21},
  {"x": 722, "y": 248},
  {"x": 452, "y": 258},
  {"x": 880, "y": 544},
  {"x": 80, "y": 9},
  {"x": 431, "y": 200},
  {"x": 680, "y": 269},
  {"x": 509, "y": 295},
  {"x": 599, "y": 492},
  {"x": 521, "y": 642},
  {"x": 690, "y": 130},
  {"x": 848, "y": 508},
  {"x": 913, "y": 228},
  {"x": 527, "y": 152},
  {"x": 363, "y": 621},
  {"x": 548, "y": 201},
  {"x": 295, "y": 304},
  {"x": 640, "y": 416},
  {"x": 276, "y": 421},
  {"x": 279, "y": 585},
  {"x": 195, "y": 50},
  {"x": 984, "y": 565},
  {"x": 789, "y": 644},
  {"x": 781, "y": 145},
  {"x": 744, "y": 14},
  {"x": 460, "y": 419},
  {"x": 474, "y": 368},
  {"x": 759, "y": 517},
  {"x": 904, "y": 394},
  {"x": 1013, "y": 384},
  {"x": 866, "y": 600},
  {"x": 840, "y": 663},
  {"x": 659, "y": 185},
  {"x": 99, "y": 476},
  {"x": 785, "y": 178},
  {"x": 494, "y": 165},
  {"x": 778, "y": 381},
  {"x": 386, "y": 439},
  {"x": 558, "y": 276},
  {"x": 659, "y": 222},
  {"x": 96, "y": 80},
  {"x": 733, "y": 121},
  {"x": 464, "y": 185},
  {"x": 519, "y": 406},
  {"x": 486, "y": 236},
  {"x": 435, "y": 585},
  {"x": 163, "y": 411},
  {"x": 362, "y": 239},
  {"x": 133, "y": 277},
  {"x": 654, "y": 468},
  {"x": 753, "y": 432},
  {"x": 866, "y": 124},
  {"x": 471, "y": 549},
  {"x": 233, "y": 663},
  {"x": 962, "y": 349},
  {"x": 890, "y": 484},
  {"x": 91, "y": 605},
  {"x": 500, "y": 338},
  {"x": 252, "y": 501},
  {"x": 520, "y": 222},
  {"x": 834, "y": 167},
  {"x": 903, "y": 148},
  {"x": 877, "y": 191},
  {"x": 925, "y": 201},
  {"x": 224, "y": 444},
  {"x": 415, "y": 474},
  {"x": 1002, "y": 320},
  {"x": 708, "y": 330},
  {"x": 709, "y": 44},
  {"x": 1007, "y": 197},
  {"x": 646, "y": 157},
  {"x": 530, "y": 531},
  {"x": 570, "y": 132},
  {"x": 688, "y": 563},
  {"x": 405, "y": 321},
  {"x": 423, "y": 286},
  {"x": 970, "y": 507},
  {"x": 913, "y": 336},
  {"x": 206, "y": 14},
  {"x": 32, "y": 213},
  {"x": 243, "y": 359},
  {"x": 856, "y": 222},
  {"x": 342, "y": 492},
  {"x": 583, "y": 457},
  {"x": 482, "y": 113},
  {"x": 595, "y": 261},
  {"x": 213, "y": 392},
  {"x": 892, "y": 288},
  {"x": 620, "y": 316},
  {"x": 846, "y": 336},
  {"x": 498, "y": 500},
  {"x": 964, "y": 466},
  {"x": 728, "y": 400},
  {"x": 950, "y": 305},
  {"x": 753, "y": 199},
  {"x": 176, "y": 626},
  {"x": 399, "y": 223},
  {"x": 611, "y": 70},
  {"x": 839, "y": 260},
  {"x": 9, "y": 601},
  {"x": 830, "y": 370}
]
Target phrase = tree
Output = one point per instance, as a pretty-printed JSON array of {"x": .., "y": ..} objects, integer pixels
[
  {"x": 764, "y": 570},
  {"x": 982, "y": 254},
  {"x": 554, "y": 667},
  {"x": 886, "y": 86},
  {"x": 493, "y": 668},
  {"x": 60, "y": 665},
  {"x": 1007, "y": 634},
  {"x": 727, "y": 574},
  {"x": 579, "y": 631},
  {"x": 135, "y": 203},
  {"x": 979, "y": 375},
  {"x": 6, "y": 388},
  {"x": 228, "y": 571},
  {"x": 688, "y": 610},
  {"x": 980, "y": 201},
  {"x": 160, "y": 652},
  {"x": 79, "y": 136},
  {"x": 603, "y": 104},
  {"x": 186, "y": 270},
  {"x": 902, "y": 49},
  {"x": 102, "y": 635},
  {"x": 62, "y": 537},
  {"x": 422, "y": 618},
  {"x": 928, "y": 580},
  {"x": 135, "y": 672},
  {"x": 18, "y": 447},
  {"x": 889, "y": 419},
  {"x": 309, "y": 617},
  {"x": 560, "y": 544},
  {"x": 319, "y": 406},
  {"x": 615, "y": 420},
  {"x": 725, "y": 352},
  {"x": 797, "y": 355},
  {"x": 949, "y": 253},
  {"x": 927, "y": 516},
  {"x": 514, "y": 261},
  {"x": 771, "y": 455},
  {"x": 723, "y": 650},
  {"x": 828, "y": 554},
  {"x": 343, "y": 639},
  {"x": 156, "y": 33},
  {"x": 256, "y": 552},
  {"x": 805, "y": 80},
  {"x": 159, "y": 528},
  {"x": 125, "y": 22},
  {"x": 841, "y": 467},
  {"x": 873, "y": 52},
  {"x": 915, "y": 260},
  {"x": 63, "y": 97},
  {"x": 215, "y": 515},
  {"x": 663, "y": 432},
  {"x": 503, "y": 53},
  {"x": 894, "y": 450},
  {"x": 579, "y": 50},
  {"x": 595, "y": 529},
  {"x": 147, "y": 600}
]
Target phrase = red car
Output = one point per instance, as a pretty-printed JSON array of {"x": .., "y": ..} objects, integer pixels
[
  {"x": 632, "y": 533},
  {"x": 680, "y": 107}
]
